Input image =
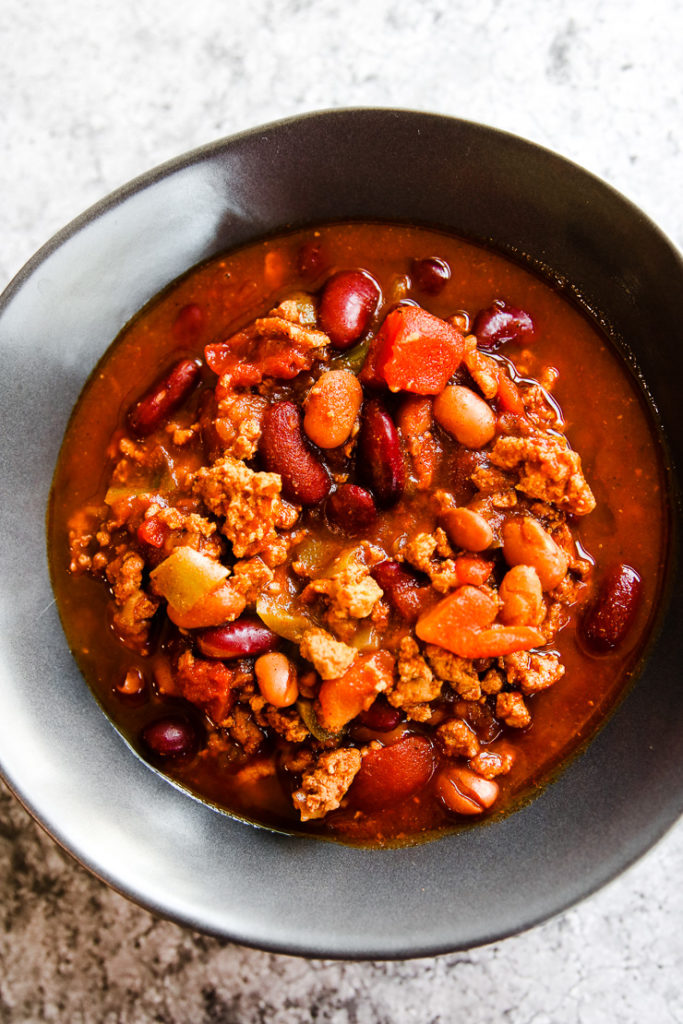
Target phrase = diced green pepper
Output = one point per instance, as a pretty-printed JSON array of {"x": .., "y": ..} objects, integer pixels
[{"x": 186, "y": 576}]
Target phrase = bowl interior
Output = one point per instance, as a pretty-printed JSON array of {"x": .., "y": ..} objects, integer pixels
[{"x": 58, "y": 751}]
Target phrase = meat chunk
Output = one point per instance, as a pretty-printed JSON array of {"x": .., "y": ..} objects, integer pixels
[
  {"x": 251, "y": 576},
  {"x": 489, "y": 763},
  {"x": 349, "y": 589},
  {"x": 324, "y": 786},
  {"x": 248, "y": 502},
  {"x": 547, "y": 469},
  {"x": 286, "y": 722},
  {"x": 330, "y": 657},
  {"x": 279, "y": 345},
  {"x": 416, "y": 685},
  {"x": 135, "y": 608},
  {"x": 243, "y": 729},
  {"x": 457, "y": 739},
  {"x": 531, "y": 672},
  {"x": 237, "y": 424},
  {"x": 422, "y": 550},
  {"x": 511, "y": 709},
  {"x": 459, "y": 672}
]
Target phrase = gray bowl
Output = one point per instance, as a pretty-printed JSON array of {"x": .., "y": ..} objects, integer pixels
[{"x": 60, "y": 754}]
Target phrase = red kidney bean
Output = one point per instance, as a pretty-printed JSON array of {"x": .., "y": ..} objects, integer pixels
[
  {"x": 165, "y": 396},
  {"x": 188, "y": 323},
  {"x": 284, "y": 450},
  {"x": 347, "y": 305},
  {"x": 351, "y": 508},
  {"x": 402, "y": 589},
  {"x": 311, "y": 260},
  {"x": 380, "y": 456},
  {"x": 607, "y": 620},
  {"x": 390, "y": 774},
  {"x": 430, "y": 275},
  {"x": 380, "y": 717},
  {"x": 170, "y": 737},
  {"x": 242, "y": 638},
  {"x": 500, "y": 323}
]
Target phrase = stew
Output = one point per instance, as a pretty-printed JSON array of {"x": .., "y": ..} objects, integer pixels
[{"x": 359, "y": 531}]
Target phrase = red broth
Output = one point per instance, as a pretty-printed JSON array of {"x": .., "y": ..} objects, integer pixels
[{"x": 607, "y": 423}]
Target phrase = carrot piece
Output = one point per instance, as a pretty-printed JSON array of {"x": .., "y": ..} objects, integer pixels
[
  {"x": 508, "y": 395},
  {"x": 417, "y": 351},
  {"x": 342, "y": 698},
  {"x": 463, "y": 622},
  {"x": 467, "y": 607},
  {"x": 471, "y": 569},
  {"x": 494, "y": 642}
]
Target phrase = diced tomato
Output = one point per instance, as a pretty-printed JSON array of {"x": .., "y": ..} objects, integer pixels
[
  {"x": 417, "y": 351},
  {"x": 390, "y": 774},
  {"x": 153, "y": 531},
  {"x": 508, "y": 395}
]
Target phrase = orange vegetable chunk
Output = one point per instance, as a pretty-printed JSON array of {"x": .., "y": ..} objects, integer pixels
[
  {"x": 417, "y": 351},
  {"x": 393, "y": 773},
  {"x": 463, "y": 622},
  {"x": 342, "y": 698}
]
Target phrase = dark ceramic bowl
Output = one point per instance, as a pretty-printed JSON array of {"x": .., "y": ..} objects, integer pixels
[{"x": 58, "y": 751}]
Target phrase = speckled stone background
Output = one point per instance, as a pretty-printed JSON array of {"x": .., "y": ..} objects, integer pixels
[{"x": 94, "y": 93}]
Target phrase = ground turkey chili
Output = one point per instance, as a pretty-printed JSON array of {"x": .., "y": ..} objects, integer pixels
[{"x": 359, "y": 531}]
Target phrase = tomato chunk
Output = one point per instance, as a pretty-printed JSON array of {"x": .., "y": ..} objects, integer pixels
[
  {"x": 341, "y": 699},
  {"x": 390, "y": 774},
  {"x": 417, "y": 351}
]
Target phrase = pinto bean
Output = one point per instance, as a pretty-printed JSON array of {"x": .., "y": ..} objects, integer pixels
[
  {"x": 331, "y": 408},
  {"x": 283, "y": 450},
  {"x": 380, "y": 456},
  {"x": 467, "y": 529},
  {"x": 239, "y": 639},
  {"x": 609, "y": 617},
  {"x": 465, "y": 792},
  {"x": 351, "y": 508},
  {"x": 165, "y": 396},
  {"x": 522, "y": 596},
  {"x": 276, "y": 678},
  {"x": 347, "y": 305},
  {"x": 525, "y": 542},
  {"x": 465, "y": 415}
]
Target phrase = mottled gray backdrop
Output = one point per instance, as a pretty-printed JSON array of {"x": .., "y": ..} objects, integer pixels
[{"x": 93, "y": 93}]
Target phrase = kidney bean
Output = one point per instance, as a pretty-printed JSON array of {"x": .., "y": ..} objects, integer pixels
[
  {"x": 467, "y": 529},
  {"x": 525, "y": 542},
  {"x": 347, "y": 305},
  {"x": 380, "y": 717},
  {"x": 283, "y": 450},
  {"x": 170, "y": 737},
  {"x": 465, "y": 792},
  {"x": 311, "y": 260},
  {"x": 501, "y": 323},
  {"x": 188, "y": 323},
  {"x": 351, "y": 508},
  {"x": 430, "y": 275},
  {"x": 607, "y": 620},
  {"x": 239, "y": 639},
  {"x": 331, "y": 408},
  {"x": 277, "y": 679},
  {"x": 380, "y": 457},
  {"x": 465, "y": 415},
  {"x": 165, "y": 396},
  {"x": 402, "y": 589},
  {"x": 390, "y": 774}
]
